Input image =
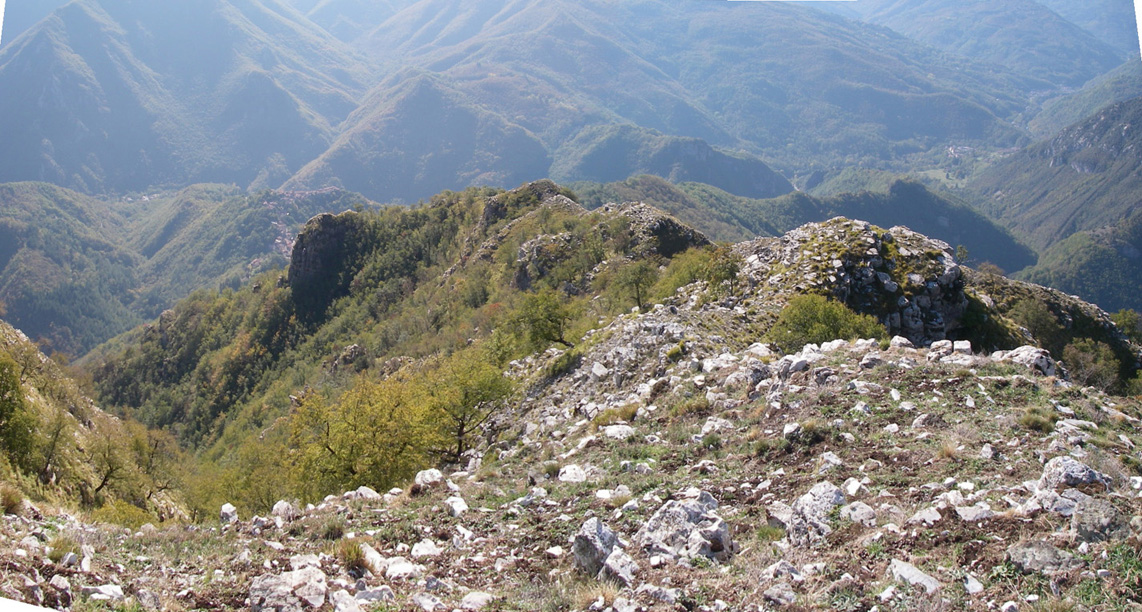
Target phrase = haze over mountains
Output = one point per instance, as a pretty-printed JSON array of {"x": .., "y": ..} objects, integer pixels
[{"x": 422, "y": 96}]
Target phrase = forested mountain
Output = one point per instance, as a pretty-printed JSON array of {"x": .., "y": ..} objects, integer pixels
[
  {"x": 118, "y": 95},
  {"x": 494, "y": 92},
  {"x": 1110, "y": 20},
  {"x": 1024, "y": 36},
  {"x": 1084, "y": 178},
  {"x": 75, "y": 271}
]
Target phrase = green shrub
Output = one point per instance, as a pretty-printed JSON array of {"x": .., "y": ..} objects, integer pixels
[
  {"x": 333, "y": 529},
  {"x": 1091, "y": 363},
  {"x": 1039, "y": 419},
  {"x": 813, "y": 319}
]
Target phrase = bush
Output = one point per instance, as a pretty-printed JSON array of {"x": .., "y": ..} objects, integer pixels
[
  {"x": 1040, "y": 321},
  {"x": 1091, "y": 363},
  {"x": 17, "y": 424},
  {"x": 813, "y": 319},
  {"x": 1039, "y": 419}
]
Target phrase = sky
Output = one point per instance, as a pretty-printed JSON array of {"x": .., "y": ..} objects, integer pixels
[{"x": 2, "y": 18}]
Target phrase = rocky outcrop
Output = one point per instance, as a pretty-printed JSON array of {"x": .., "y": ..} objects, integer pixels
[
  {"x": 910, "y": 282},
  {"x": 324, "y": 259}
]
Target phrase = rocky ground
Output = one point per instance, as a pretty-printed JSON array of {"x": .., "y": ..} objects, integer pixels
[{"x": 669, "y": 462}]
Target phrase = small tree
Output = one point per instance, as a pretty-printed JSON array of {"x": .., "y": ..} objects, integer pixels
[
  {"x": 543, "y": 318},
  {"x": 813, "y": 319},
  {"x": 724, "y": 268},
  {"x": 1040, "y": 321},
  {"x": 467, "y": 391},
  {"x": 1129, "y": 323},
  {"x": 636, "y": 278}
]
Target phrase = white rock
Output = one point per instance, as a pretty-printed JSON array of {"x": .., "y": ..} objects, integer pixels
[
  {"x": 618, "y": 432},
  {"x": 344, "y": 602},
  {"x": 910, "y": 574},
  {"x": 572, "y": 473},
  {"x": 972, "y": 585},
  {"x": 382, "y": 593},
  {"x": 456, "y": 506},
  {"x": 228, "y": 514},
  {"x": 285, "y": 510},
  {"x": 976, "y": 513},
  {"x": 427, "y": 602},
  {"x": 400, "y": 568},
  {"x": 592, "y": 544},
  {"x": 476, "y": 600},
  {"x": 426, "y": 548},
  {"x": 713, "y": 424},
  {"x": 859, "y": 512},
  {"x": 427, "y": 479},
  {"x": 367, "y": 494},
  {"x": 928, "y": 516},
  {"x": 599, "y": 371}
]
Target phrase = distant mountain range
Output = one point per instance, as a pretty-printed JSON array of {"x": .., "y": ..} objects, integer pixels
[{"x": 400, "y": 99}]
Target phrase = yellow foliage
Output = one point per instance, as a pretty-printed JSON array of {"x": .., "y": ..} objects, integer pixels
[{"x": 377, "y": 434}]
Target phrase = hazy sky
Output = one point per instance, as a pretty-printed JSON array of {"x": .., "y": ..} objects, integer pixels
[{"x": 1, "y": 18}]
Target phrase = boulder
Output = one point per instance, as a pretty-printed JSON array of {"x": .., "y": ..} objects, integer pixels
[
  {"x": 619, "y": 567},
  {"x": 476, "y": 600},
  {"x": 285, "y": 511},
  {"x": 686, "y": 529},
  {"x": 1040, "y": 556},
  {"x": 228, "y": 514},
  {"x": 860, "y": 513},
  {"x": 572, "y": 473},
  {"x": 456, "y": 506},
  {"x": 1031, "y": 357},
  {"x": 1097, "y": 520},
  {"x": 344, "y": 602},
  {"x": 907, "y": 573},
  {"x": 592, "y": 545},
  {"x": 1066, "y": 471},
  {"x": 426, "y": 480},
  {"x": 272, "y": 594}
]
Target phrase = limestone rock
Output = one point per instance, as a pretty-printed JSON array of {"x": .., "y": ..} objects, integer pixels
[
  {"x": 1067, "y": 471},
  {"x": 1040, "y": 556},
  {"x": 1096, "y": 520},
  {"x": 910, "y": 574},
  {"x": 344, "y": 602},
  {"x": 228, "y": 514},
  {"x": 1031, "y": 357},
  {"x": 620, "y": 567},
  {"x": 687, "y": 528},
  {"x": 591, "y": 546},
  {"x": 572, "y": 473},
  {"x": 476, "y": 600},
  {"x": 427, "y": 479}
]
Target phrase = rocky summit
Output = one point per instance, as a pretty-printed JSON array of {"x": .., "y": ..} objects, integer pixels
[{"x": 673, "y": 461}]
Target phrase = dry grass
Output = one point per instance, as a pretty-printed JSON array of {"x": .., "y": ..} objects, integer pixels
[{"x": 11, "y": 500}]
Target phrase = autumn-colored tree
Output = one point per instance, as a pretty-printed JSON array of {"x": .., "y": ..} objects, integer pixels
[
  {"x": 376, "y": 434},
  {"x": 467, "y": 390}
]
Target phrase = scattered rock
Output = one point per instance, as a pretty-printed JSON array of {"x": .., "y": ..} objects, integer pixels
[
  {"x": 476, "y": 600},
  {"x": 228, "y": 514},
  {"x": 620, "y": 567},
  {"x": 1067, "y": 471},
  {"x": 1096, "y": 520},
  {"x": 1031, "y": 357},
  {"x": 572, "y": 473}
]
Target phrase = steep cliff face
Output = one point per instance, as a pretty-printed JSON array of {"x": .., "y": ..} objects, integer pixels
[{"x": 325, "y": 257}]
